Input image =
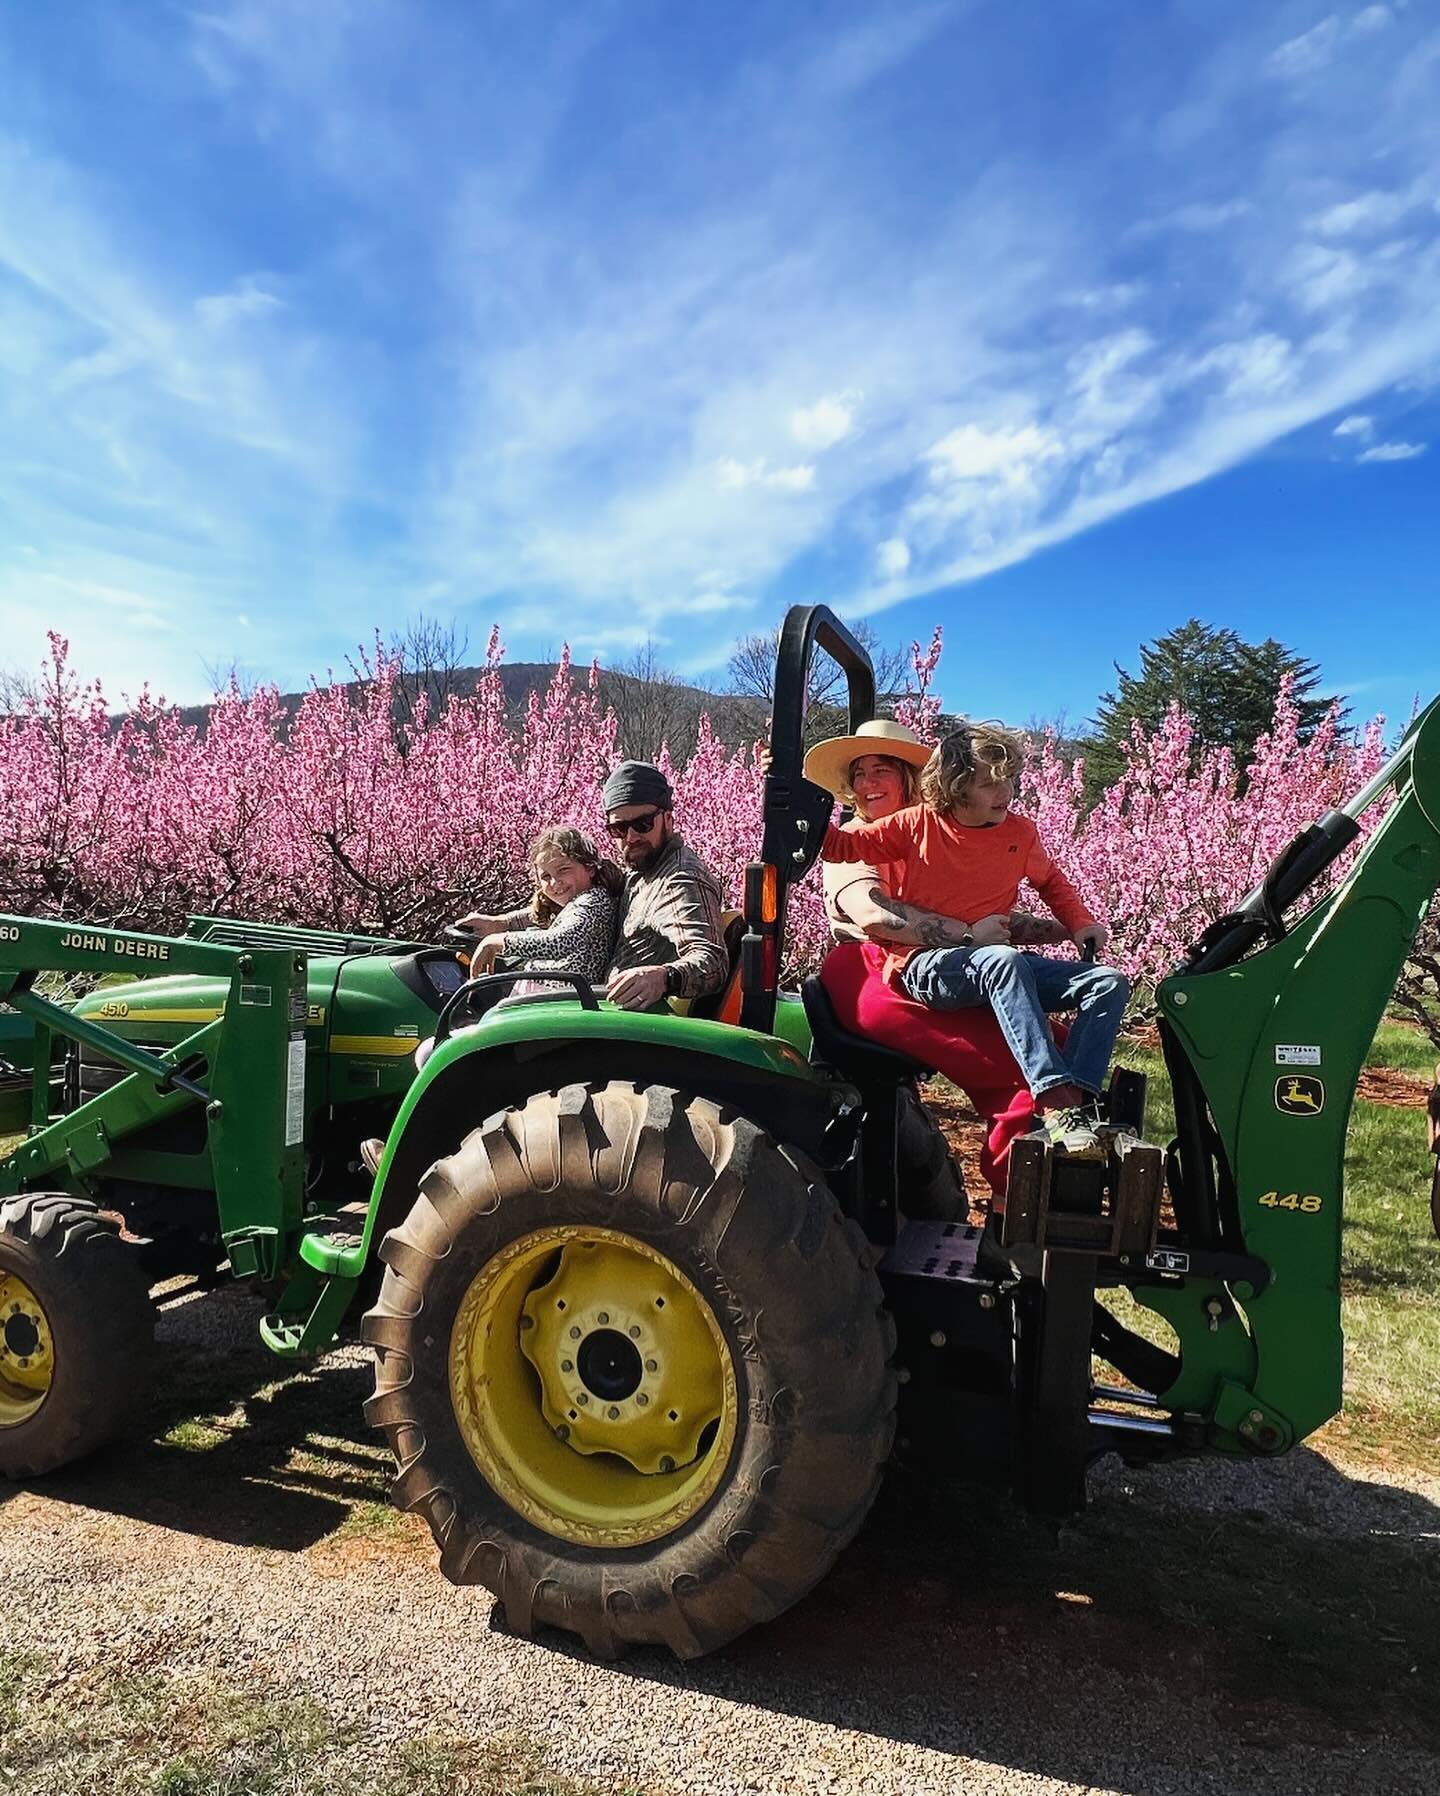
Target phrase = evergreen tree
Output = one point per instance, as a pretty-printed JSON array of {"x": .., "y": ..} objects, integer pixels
[{"x": 1227, "y": 685}]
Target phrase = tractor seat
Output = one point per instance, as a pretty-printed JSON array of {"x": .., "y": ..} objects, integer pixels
[
  {"x": 723, "y": 1005},
  {"x": 855, "y": 1056}
]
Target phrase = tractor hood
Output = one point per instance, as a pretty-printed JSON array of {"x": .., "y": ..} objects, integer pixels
[{"x": 365, "y": 1016}]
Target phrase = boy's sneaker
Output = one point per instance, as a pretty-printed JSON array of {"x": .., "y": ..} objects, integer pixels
[{"x": 1073, "y": 1132}]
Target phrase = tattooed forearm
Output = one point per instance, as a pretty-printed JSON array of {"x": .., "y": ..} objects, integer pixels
[
  {"x": 937, "y": 932},
  {"x": 885, "y": 918},
  {"x": 889, "y": 911}
]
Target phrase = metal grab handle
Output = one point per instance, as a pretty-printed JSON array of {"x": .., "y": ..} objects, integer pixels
[{"x": 464, "y": 998}]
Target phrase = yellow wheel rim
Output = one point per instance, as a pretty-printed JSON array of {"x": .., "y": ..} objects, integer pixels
[
  {"x": 592, "y": 1386},
  {"x": 27, "y": 1352}
]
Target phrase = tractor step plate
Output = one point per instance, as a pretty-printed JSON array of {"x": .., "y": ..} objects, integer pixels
[{"x": 939, "y": 1250}]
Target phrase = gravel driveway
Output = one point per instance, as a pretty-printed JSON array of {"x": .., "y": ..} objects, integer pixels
[{"x": 1212, "y": 1628}]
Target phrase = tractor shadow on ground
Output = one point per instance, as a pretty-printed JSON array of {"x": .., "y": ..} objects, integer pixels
[
  {"x": 1237, "y": 1617},
  {"x": 234, "y": 1444},
  {"x": 1272, "y": 1623}
]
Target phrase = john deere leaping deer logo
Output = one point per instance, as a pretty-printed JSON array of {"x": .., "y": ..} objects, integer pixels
[{"x": 1300, "y": 1094}]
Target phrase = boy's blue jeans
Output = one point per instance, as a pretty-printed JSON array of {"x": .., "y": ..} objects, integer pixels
[{"x": 1021, "y": 989}]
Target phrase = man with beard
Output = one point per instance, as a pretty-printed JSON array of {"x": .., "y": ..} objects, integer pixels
[{"x": 670, "y": 942}]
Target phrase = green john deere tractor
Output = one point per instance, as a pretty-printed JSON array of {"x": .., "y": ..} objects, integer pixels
[{"x": 654, "y": 1292}]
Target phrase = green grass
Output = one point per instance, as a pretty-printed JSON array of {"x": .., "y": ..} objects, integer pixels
[
  {"x": 1390, "y": 1264},
  {"x": 1404, "y": 1047},
  {"x": 103, "y": 1732},
  {"x": 195, "y": 1436},
  {"x": 372, "y": 1521}
]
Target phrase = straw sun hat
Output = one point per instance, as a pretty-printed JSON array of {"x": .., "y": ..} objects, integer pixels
[{"x": 829, "y": 762}]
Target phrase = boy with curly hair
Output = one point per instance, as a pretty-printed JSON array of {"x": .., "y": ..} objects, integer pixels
[{"x": 963, "y": 853}]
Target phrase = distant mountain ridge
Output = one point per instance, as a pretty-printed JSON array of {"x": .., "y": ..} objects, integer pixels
[{"x": 647, "y": 711}]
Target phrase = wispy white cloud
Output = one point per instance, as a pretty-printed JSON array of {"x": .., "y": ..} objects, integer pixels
[
  {"x": 1392, "y": 452},
  {"x": 1195, "y": 215},
  {"x": 1356, "y": 425},
  {"x": 1255, "y": 368},
  {"x": 1315, "y": 49},
  {"x": 1311, "y": 50},
  {"x": 246, "y": 299},
  {"x": 735, "y": 476},
  {"x": 522, "y": 343},
  {"x": 1012, "y": 457},
  {"x": 1374, "y": 18},
  {"x": 1367, "y": 213},
  {"x": 824, "y": 424},
  {"x": 892, "y": 557}
]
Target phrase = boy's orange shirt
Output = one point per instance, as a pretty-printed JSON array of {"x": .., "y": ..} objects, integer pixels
[{"x": 955, "y": 871}]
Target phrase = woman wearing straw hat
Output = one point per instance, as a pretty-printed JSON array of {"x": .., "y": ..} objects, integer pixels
[{"x": 877, "y": 772}]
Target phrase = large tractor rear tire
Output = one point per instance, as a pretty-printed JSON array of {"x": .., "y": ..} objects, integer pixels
[
  {"x": 634, "y": 1368},
  {"x": 76, "y": 1332}
]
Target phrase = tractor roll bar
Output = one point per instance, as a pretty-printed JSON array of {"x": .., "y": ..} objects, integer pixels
[
  {"x": 806, "y": 626},
  {"x": 795, "y": 811}
]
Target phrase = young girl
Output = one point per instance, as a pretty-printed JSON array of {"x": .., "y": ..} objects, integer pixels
[
  {"x": 572, "y": 915},
  {"x": 962, "y": 853}
]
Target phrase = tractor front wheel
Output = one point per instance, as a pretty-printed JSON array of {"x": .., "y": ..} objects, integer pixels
[
  {"x": 634, "y": 1368},
  {"x": 76, "y": 1331}
]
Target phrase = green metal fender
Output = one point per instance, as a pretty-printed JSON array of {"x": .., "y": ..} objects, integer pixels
[{"x": 512, "y": 1053}]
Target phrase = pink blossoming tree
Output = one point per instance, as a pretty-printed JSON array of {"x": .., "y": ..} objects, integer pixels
[{"x": 352, "y": 814}]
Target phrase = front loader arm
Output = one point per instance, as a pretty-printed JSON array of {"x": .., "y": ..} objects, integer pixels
[{"x": 246, "y": 1069}]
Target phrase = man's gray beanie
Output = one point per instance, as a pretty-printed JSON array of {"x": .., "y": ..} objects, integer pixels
[{"x": 637, "y": 782}]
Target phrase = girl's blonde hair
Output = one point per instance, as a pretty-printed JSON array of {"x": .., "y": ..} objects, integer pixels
[
  {"x": 575, "y": 845},
  {"x": 909, "y": 781},
  {"x": 974, "y": 754}
]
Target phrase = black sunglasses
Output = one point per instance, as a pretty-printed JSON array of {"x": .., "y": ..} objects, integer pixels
[{"x": 640, "y": 826}]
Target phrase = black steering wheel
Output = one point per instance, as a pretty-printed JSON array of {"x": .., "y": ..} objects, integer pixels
[{"x": 478, "y": 995}]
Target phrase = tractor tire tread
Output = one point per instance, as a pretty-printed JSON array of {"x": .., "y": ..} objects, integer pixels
[
  {"x": 97, "y": 1304},
  {"x": 810, "y": 1445}
]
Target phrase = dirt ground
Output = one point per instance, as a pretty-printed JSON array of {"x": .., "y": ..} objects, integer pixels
[{"x": 1257, "y": 1627}]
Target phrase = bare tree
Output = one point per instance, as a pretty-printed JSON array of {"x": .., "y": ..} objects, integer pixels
[
  {"x": 432, "y": 667},
  {"x": 1417, "y": 996},
  {"x": 220, "y": 674},
  {"x": 653, "y": 706},
  {"x": 751, "y": 668},
  {"x": 16, "y": 690},
  {"x": 751, "y": 671}
]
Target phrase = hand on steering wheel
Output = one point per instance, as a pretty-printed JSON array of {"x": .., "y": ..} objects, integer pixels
[{"x": 487, "y": 952}]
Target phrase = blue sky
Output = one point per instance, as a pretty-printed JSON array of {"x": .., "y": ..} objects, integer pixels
[{"x": 1051, "y": 323}]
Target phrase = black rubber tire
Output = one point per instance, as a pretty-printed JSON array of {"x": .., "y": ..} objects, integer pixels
[
  {"x": 97, "y": 1304},
  {"x": 792, "y": 1286},
  {"x": 932, "y": 1188}
]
